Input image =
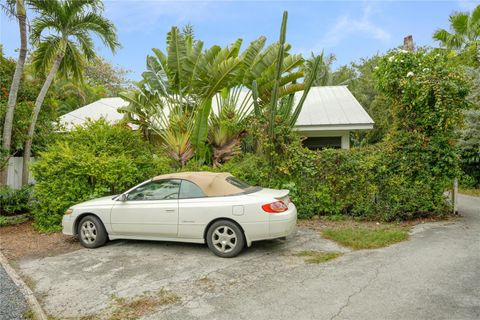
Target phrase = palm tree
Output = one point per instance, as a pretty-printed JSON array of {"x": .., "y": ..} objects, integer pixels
[
  {"x": 20, "y": 14},
  {"x": 62, "y": 36},
  {"x": 465, "y": 31}
]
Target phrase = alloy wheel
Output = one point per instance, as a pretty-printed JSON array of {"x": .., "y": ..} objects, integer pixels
[
  {"x": 88, "y": 232},
  {"x": 224, "y": 239}
]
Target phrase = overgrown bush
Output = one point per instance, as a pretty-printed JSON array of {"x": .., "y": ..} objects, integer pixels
[
  {"x": 91, "y": 161},
  {"x": 15, "y": 201},
  {"x": 369, "y": 182}
]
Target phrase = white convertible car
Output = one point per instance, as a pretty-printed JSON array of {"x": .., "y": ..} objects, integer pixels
[{"x": 199, "y": 207}]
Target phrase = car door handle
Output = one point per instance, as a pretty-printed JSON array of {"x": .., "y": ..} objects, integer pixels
[{"x": 170, "y": 210}]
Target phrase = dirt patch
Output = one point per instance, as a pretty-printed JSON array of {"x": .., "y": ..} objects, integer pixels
[
  {"x": 145, "y": 304},
  {"x": 319, "y": 224},
  {"x": 22, "y": 241}
]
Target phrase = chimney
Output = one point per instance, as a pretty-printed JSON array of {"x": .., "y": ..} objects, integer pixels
[{"x": 408, "y": 43}]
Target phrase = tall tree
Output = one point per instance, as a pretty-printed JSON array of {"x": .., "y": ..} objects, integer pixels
[
  {"x": 20, "y": 14},
  {"x": 62, "y": 33}
]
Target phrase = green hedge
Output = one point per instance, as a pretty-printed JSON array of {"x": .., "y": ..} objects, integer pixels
[
  {"x": 371, "y": 182},
  {"x": 89, "y": 162}
]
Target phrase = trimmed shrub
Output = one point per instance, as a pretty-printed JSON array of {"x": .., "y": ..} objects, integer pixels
[
  {"x": 91, "y": 161},
  {"x": 15, "y": 201}
]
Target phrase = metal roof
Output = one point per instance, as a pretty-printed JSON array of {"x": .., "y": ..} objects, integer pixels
[
  {"x": 325, "y": 109},
  {"x": 106, "y": 107},
  {"x": 331, "y": 108}
]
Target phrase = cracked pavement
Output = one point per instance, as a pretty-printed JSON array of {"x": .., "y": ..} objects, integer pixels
[{"x": 434, "y": 275}]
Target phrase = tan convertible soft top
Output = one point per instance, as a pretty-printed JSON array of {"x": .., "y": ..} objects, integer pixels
[{"x": 211, "y": 183}]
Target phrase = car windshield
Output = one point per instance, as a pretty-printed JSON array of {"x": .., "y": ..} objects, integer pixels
[{"x": 242, "y": 185}]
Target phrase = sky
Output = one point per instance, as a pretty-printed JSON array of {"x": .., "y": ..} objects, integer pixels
[{"x": 349, "y": 29}]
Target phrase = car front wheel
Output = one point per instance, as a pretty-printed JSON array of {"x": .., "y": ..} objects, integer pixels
[
  {"x": 225, "y": 239},
  {"x": 91, "y": 232}
]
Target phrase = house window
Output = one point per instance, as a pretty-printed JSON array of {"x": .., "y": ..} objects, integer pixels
[{"x": 316, "y": 143}]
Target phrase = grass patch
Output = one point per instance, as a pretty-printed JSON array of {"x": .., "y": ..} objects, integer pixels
[
  {"x": 12, "y": 220},
  {"x": 29, "y": 315},
  {"x": 316, "y": 257},
  {"x": 470, "y": 192},
  {"x": 366, "y": 237},
  {"x": 134, "y": 308}
]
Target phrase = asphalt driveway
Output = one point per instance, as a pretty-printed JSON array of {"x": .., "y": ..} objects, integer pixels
[
  {"x": 12, "y": 302},
  {"x": 434, "y": 275}
]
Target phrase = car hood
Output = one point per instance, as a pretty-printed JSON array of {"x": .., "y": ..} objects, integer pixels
[{"x": 95, "y": 202}]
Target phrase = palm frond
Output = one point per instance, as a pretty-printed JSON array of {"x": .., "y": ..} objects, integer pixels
[
  {"x": 45, "y": 53},
  {"x": 459, "y": 22},
  {"x": 97, "y": 24},
  {"x": 72, "y": 63},
  {"x": 86, "y": 44},
  {"x": 176, "y": 55},
  {"x": 39, "y": 26}
]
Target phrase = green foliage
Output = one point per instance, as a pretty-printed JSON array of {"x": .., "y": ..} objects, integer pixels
[
  {"x": 227, "y": 124},
  {"x": 470, "y": 149},
  {"x": 15, "y": 201},
  {"x": 45, "y": 129},
  {"x": 429, "y": 95},
  {"x": 427, "y": 91},
  {"x": 185, "y": 79},
  {"x": 464, "y": 35},
  {"x": 63, "y": 30},
  {"x": 92, "y": 161},
  {"x": 25, "y": 101},
  {"x": 360, "y": 182},
  {"x": 13, "y": 220},
  {"x": 102, "y": 73}
]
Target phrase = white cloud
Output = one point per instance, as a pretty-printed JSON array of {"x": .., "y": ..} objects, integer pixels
[
  {"x": 467, "y": 4},
  {"x": 144, "y": 15},
  {"x": 347, "y": 26}
]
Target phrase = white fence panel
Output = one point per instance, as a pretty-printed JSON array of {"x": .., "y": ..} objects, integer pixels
[{"x": 14, "y": 175}]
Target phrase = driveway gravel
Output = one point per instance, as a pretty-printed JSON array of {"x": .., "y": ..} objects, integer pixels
[
  {"x": 12, "y": 303},
  {"x": 434, "y": 275}
]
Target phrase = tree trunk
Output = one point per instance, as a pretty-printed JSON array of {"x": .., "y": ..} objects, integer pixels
[
  {"x": 27, "y": 149},
  {"x": 12, "y": 95}
]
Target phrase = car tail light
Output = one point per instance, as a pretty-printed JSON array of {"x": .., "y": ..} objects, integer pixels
[{"x": 275, "y": 207}]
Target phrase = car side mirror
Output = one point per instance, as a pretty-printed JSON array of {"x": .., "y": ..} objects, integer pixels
[{"x": 123, "y": 197}]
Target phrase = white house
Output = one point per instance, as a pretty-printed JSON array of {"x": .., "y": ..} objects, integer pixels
[{"x": 328, "y": 115}]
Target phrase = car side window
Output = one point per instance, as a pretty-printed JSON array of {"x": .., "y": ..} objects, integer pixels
[
  {"x": 190, "y": 190},
  {"x": 156, "y": 190}
]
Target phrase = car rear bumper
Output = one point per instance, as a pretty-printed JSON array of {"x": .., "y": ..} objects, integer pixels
[
  {"x": 284, "y": 223},
  {"x": 68, "y": 225}
]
